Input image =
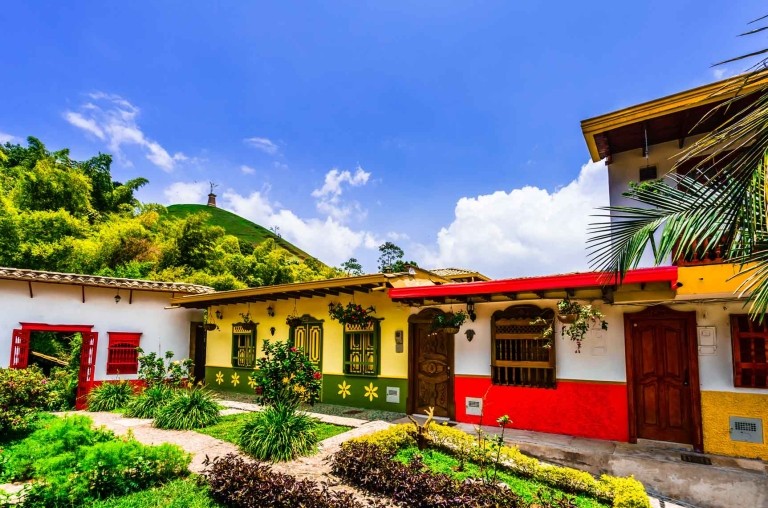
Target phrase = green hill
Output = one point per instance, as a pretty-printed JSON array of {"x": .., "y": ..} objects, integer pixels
[{"x": 235, "y": 225}]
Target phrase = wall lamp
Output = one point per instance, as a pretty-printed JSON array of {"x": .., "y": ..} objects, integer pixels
[
  {"x": 219, "y": 315},
  {"x": 118, "y": 297},
  {"x": 471, "y": 311},
  {"x": 270, "y": 311}
]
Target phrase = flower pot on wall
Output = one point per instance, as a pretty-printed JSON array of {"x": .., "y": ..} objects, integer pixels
[
  {"x": 449, "y": 330},
  {"x": 210, "y": 326},
  {"x": 567, "y": 319}
]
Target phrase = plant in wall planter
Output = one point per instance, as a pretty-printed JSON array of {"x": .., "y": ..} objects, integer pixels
[
  {"x": 577, "y": 320},
  {"x": 247, "y": 323},
  {"x": 352, "y": 314},
  {"x": 293, "y": 320},
  {"x": 450, "y": 322}
]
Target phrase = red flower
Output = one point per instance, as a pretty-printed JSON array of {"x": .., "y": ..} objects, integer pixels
[
  {"x": 293, "y": 350},
  {"x": 317, "y": 375}
]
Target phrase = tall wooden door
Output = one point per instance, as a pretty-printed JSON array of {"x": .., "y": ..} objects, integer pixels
[
  {"x": 87, "y": 368},
  {"x": 432, "y": 370},
  {"x": 663, "y": 381},
  {"x": 308, "y": 337},
  {"x": 197, "y": 349}
]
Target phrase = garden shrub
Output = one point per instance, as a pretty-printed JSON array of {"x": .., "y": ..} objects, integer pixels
[
  {"x": 286, "y": 376},
  {"x": 62, "y": 389},
  {"x": 188, "y": 409},
  {"x": 621, "y": 492},
  {"x": 155, "y": 369},
  {"x": 23, "y": 394},
  {"x": 240, "y": 484},
  {"x": 278, "y": 433},
  {"x": 108, "y": 396},
  {"x": 371, "y": 468},
  {"x": 149, "y": 401},
  {"x": 72, "y": 463}
]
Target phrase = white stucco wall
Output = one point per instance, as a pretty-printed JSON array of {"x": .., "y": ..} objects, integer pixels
[
  {"x": 602, "y": 356},
  {"x": 162, "y": 329}
]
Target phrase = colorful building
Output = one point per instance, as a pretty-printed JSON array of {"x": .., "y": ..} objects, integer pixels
[
  {"x": 361, "y": 367},
  {"x": 114, "y": 316}
]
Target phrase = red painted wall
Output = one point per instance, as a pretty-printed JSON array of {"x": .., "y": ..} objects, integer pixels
[{"x": 576, "y": 408}]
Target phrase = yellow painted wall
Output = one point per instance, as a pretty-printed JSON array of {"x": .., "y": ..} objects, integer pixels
[
  {"x": 717, "y": 407},
  {"x": 393, "y": 365},
  {"x": 709, "y": 279}
]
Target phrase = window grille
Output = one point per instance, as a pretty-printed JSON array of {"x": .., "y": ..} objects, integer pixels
[
  {"x": 520, "y": 356},
  {"x": 122, "y": 355}
]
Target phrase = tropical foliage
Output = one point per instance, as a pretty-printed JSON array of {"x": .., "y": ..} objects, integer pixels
[
  {"x": 286, "y": 376},
  {"x": 278, "y": 433},
  {"x": 108, "y": 396},
  {"x": 64, "y": 215},
  {"x": 352, "y": 314},
  {"x": 188, "y": 409},
  {"x": 686, "y": 214}
]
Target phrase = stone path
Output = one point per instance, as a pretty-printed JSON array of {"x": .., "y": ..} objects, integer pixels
[{"x": 336, "y": 420}]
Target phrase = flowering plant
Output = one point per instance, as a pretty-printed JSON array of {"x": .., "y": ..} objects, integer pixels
[
  {"x": 155, "y": 370},
  {"x": 450, "y": 320},
  {"x": 285, "y": 376},
  {"x": 577, "y": 320},
  {"x": 352, "y": 314},
  {"x": 293, "y": 320}
]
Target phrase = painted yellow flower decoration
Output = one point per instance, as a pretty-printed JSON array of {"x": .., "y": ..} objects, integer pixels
[
  {"x": 235, "y": 379},
  {"x": 344, "y": 389},
  {"x": 219, "y": 377},
  {"x": 252, "y": 382},
  {"x": 370, "y": 391}
]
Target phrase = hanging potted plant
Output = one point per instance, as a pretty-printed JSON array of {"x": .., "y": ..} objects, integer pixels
[
  {"x": 293, "y": 320},
  {"x": 352, "y": 314},
  {"x": 208, "y": 322},
  {"x": 577, "y": 320},
  {"x": 449, "y": 323},
  {"x": 247, "y": 323}
]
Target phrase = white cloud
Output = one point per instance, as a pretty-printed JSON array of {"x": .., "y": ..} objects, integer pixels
[
  {"x": 7, "y": 138},
  {"x": 264, "y": 144},
  {"x": 327, "y": 238},
  {"x": 112, "y": 118},
  {"x": 187, "y": 192},
  {"x": 528, "y": 231},
  {"x": 247, "y": 170},
  {"x": 329, "y": 195}
]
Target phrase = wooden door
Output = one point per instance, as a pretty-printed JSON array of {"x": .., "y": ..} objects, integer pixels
[
  {"x": 87, "y": 368},
  {"x": 198, "y": 350},
  {"x": 308, "y": 337},
  {"x": 663, "y": 381},
  {"x": 432, "y": 370}
]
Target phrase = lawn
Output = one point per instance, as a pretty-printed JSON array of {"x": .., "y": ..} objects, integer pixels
[
  {"x": 528, "y": 489},
  {"x": 228, "y": 429},
  {"x": 185, "y": 493}
]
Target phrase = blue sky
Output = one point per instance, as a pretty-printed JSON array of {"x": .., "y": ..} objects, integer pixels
[{"x": 450, "y": 128}]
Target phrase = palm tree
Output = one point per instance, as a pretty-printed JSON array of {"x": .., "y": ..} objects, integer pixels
[{"x": 693, "y": 211}]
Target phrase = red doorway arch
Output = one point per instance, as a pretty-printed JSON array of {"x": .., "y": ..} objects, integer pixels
[{"x": 20, "y": 353}]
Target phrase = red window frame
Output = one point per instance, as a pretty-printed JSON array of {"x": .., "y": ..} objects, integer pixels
[
  {"x": 749, "y": 340},
  {"x": 122, "y": 356}
]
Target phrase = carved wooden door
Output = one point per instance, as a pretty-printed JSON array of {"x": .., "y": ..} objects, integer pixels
[
  {"x": 662, "y": 380},
  {"x": 309, "y": 338},
  {"x": 433, "y": 356}
]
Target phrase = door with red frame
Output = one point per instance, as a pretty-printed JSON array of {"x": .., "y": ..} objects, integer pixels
[
  {"x": 87, "y": 368},
  {"x": 662, "y": 372}
]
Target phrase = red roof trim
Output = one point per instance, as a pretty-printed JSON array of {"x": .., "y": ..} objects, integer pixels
[{"x": 531, "y": 284}]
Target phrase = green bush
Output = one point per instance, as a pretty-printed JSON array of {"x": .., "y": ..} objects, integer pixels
[
  {"x": 72, "y": 463},
  {"x": 155, "y": 369},
  {"x": 23, "y": 394},
  {"x": 148, "y": 402},
  {"x": 278, "y": 433},
  {"x": 62, "y": 389},
  {"x": 108, "y": 396},
  {"x": 286, "y": 376},
  {"x": 188, "y": 409}
]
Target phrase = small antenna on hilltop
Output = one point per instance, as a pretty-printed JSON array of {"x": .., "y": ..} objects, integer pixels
[{"x": 212, "y": 196}]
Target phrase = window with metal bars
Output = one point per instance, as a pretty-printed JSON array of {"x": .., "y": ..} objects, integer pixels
[
  {"x": 361, "y": 349},
  {"x": 122, "y": 356},
  {"x": 519, "y": 354},
  {"x": 243, "y": 347},
  {"x": 750, "y": 352}
]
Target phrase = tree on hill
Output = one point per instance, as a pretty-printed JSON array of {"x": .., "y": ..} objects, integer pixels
[
  {"x": 391, "y": 259},
  {"x": 352, "y": 267}
]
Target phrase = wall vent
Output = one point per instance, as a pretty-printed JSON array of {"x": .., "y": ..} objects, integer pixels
[{"x": 747, "y": 430}]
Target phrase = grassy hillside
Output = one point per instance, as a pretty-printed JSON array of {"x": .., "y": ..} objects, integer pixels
[{"x": 237, "y": 226}]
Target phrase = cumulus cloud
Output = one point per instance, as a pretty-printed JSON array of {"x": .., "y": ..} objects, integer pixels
[
  {"x": 186, "y": 192},
  {"x": 247, "y": 170},
  {"x": 7, "y": 138},
  {"x": 266, "y": 145},
  {"x": 329, "y": 195},
  {"x": 112, "y": 119},
  {"x": 325, "y": 238},
  {"x": 527, "y": 231}
]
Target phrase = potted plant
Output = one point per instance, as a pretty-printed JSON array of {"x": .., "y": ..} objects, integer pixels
[
  {"x": 247, "y": 323},
  {"x": 352, "y": 314},
  {"x": 450, "y": 322},
  {"x": 577, "y": 320},
  {"x": 208, "y": 322},
  {"x": 293, "y": 320}
]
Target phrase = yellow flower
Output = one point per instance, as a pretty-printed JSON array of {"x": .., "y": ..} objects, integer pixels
[
  {"x": 219, "y": 377},
  {"x": 344, "y": 389},
  {"x": 370, "y": 391},
  {"x": 235, "y": 379},
  {"x": 251, "y": 382},
  {"x": 285, "y": 380}
]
